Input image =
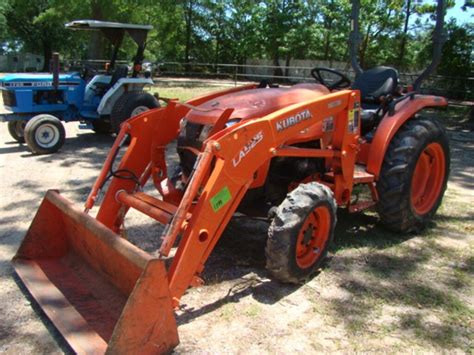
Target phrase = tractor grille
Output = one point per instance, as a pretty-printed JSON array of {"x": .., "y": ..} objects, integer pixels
[
  {"x": 9, "y": 98},
  {"x": 190, "y": 136}
]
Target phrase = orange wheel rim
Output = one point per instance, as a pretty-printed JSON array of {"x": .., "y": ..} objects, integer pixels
[
  {"x": 428, "y": 178},
  {"x": 313, "y": 237}
]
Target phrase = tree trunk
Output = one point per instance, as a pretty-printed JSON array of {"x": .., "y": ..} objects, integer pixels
[
  {"x": 188, "y": 18},
  {"x": 401, "y": 54},
  {"x": 218, "y": 43},
  {"x": 328, "y": 40},
  {"x": 287, "y": 64},
  {"x": 96, "y": 44},
  {"x": 216, "y": 54},
  {"x": 47, "y": 53},
  {"x": 276, "y": 62},
  {"x": 365, "y": 44},
  {"x": 276, "y": 57}
]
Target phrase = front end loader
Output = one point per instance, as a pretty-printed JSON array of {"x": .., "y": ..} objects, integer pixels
[{"x": 106, "y": 295}]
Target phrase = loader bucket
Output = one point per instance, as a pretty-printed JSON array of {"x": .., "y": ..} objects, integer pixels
[{"x": 101, "y": 292}]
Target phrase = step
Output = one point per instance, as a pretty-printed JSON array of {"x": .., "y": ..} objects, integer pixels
[{"x": 361, "y": 176}]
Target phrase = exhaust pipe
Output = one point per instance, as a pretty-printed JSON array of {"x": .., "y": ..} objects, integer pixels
[{"x": 55, "y": 69}]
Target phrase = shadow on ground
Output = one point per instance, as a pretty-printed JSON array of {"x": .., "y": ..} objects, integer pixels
[
  {"x": 422, "y": 278},
  {"x": 460, "y": 129}
]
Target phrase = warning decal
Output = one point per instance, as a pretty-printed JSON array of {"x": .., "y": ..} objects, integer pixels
[{"x": 220, "y": 199}]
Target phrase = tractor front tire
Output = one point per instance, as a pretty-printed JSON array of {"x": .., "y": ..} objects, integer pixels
[
  {"x": 131, "y": 104},
  {"x": 414, "y": 175},
  {"x": 301, "y": 233},
  {"x": 17, "y": 130},
  {"x": 44, "y": 134}
]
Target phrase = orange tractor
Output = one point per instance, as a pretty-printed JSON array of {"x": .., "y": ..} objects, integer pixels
[{"x": 292, "y": 154}]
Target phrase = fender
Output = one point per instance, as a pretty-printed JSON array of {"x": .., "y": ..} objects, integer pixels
[
  {"x": 390, "y": 125},
  {"x": 122, "y": 85}
]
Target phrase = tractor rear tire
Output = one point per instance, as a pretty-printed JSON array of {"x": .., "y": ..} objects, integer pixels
[
  {"x": 414, "y": 175},
  {"x": 301, "y": 233},
  {"x": 44, "y": 134},
  {"x": 131, "y": 104},
  {"x": 17, "y": 130}
]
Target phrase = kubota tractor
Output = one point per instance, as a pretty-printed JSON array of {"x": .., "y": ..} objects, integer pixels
[{"x": 293, "y": 154}]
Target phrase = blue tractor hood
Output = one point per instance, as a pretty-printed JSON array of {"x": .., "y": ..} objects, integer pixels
[
  {"x": 38, "y": 80},
  {"x": 28, "y": 94}
]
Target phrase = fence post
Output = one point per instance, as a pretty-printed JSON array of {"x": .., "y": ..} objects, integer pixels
[{"x": 235, "y": 75}]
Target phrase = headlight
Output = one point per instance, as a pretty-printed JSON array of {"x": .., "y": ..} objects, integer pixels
[
  {"x": 232, "y": 122},
  {"x": 182, "y": 123}
]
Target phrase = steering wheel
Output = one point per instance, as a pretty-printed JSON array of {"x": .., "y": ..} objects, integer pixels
[
  {"x": 88, "y": 71},
  {"x": 342, "y": 83}
]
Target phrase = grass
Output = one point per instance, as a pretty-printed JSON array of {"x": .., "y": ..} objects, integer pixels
[
  {"x": 252, "y": 310},
  {"x": 426, "y": 276},
  {"x": 227, "y": 312},
  {"x": 455, "y": 117},
  {"x": 186, "y": 90}
]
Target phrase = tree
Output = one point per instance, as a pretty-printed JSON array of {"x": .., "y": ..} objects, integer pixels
[
  {"x": 36, "y": 33},
  {"x": 458, "y": 50},
  {"x": 245, "y": 32},
  {"x": 379, "y": 20},
  {"x": 4, "y": 7},
  {"x": 188, "y": 17},
  {"x": 457, "y": 59},
  {"x": 231, "y": 31},
  {"x": 403, "y": 41},
  {"x": 280, "y": 17}
]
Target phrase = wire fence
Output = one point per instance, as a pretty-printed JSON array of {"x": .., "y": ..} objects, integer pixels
[
  {"x": 454, "y": 88},
  {"x": 457, "y": 88}
]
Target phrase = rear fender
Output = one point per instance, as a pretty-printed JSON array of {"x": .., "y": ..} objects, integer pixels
[
  {"x": 390, "y": 125},
  {"x": 114, "y": 93}
]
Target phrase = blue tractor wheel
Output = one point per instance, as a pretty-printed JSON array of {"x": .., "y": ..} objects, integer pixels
[
  {"x": 131, "y": 104},
  {"x": 44, "y": 134},
  {"x": 17, "y": 130}
]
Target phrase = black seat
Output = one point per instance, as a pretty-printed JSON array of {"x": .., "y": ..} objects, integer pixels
[
  {"x": 120, "y": 72},
  {"x": 376, "y": 83}
]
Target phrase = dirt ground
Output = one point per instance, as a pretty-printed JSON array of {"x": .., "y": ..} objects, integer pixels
[{"x": 378, "y": 291}]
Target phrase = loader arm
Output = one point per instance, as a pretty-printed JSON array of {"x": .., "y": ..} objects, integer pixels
[{"x": 150, "y": 132}]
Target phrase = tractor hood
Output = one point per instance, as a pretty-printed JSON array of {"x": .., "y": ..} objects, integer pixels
[
  {"x": 254, "y": 103},
  {"x": 38, "y": 80}
]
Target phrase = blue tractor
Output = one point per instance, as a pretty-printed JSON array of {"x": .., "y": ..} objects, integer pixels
[{"x": 37, "y": 103}]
